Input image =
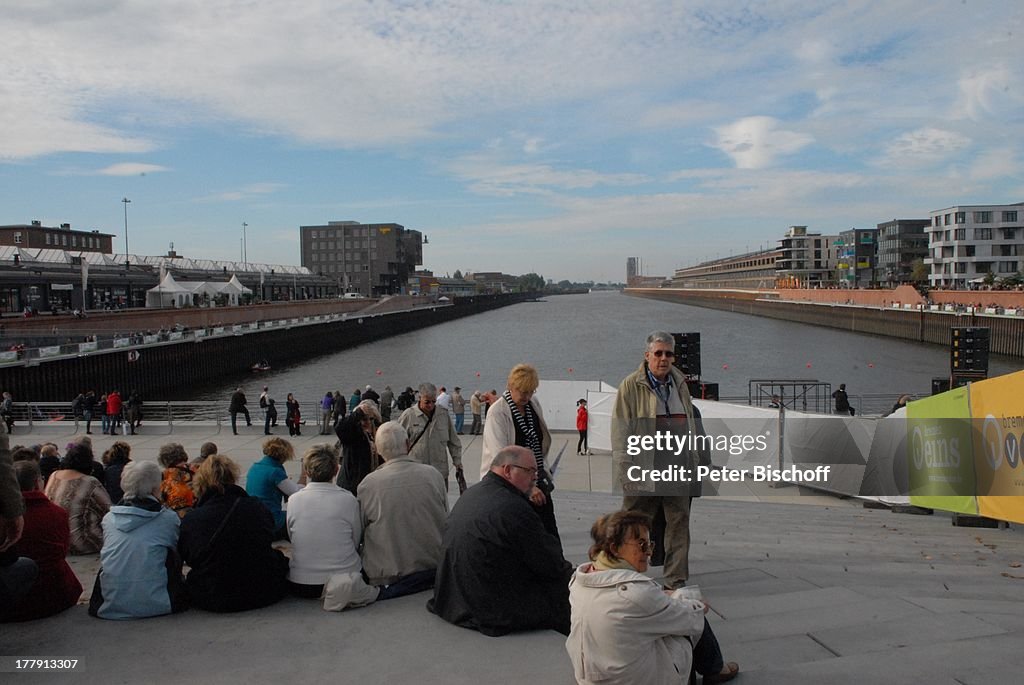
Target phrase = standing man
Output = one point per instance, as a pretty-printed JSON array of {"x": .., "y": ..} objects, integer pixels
[
  {"x": 88, "y": 407},
  {"x": 474, "y": 408},
  {"x": 654, "y": 398},
  {"x": 263, "y": 401},
  {"x": 431, "y": 433},
  {"x": 444, "y": 400},
  {"x": 238, "y": 407},
  {"x": 459, "y": 409},
  {"x": 386, "y": 398},
  {"x": 370, "y": 394}
]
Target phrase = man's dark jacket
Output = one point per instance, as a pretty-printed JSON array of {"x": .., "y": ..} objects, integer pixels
[{"x": 501, "y": 570}]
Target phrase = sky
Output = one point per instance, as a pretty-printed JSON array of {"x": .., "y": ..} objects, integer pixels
[{"x": 553, "y": 137}]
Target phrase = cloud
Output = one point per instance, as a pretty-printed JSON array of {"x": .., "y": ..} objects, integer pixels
[
  {"x": 924, "y": 146},
  {"x": 131, "y": 169},
  {"x": 756, "y": 142},
  {"x": 488, "y": 176},
  {"x": 680, "y": 114},
  {"x": 994, "y": 164},
  {"x": 246, "y": 192},
  {"x": 994, "y": 91}
]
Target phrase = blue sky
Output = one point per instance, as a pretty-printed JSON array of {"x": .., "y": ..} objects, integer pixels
[{"x": 519, "y": 136}]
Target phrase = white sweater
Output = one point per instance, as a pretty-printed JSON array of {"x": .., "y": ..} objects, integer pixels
[{"x": 325, "y": 528}]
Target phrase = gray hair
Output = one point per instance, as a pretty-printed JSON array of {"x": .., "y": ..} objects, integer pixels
[
  {"x": 140, "y": 479},
  {"x": 428, "y": 389},
  {"x": 507, "y": 455},
  {"x": 659, "y": 337},
  {"x": 172, "y": 453},
  {"x": 320, "y": 462},
  {"x": 392, "y": 440}
]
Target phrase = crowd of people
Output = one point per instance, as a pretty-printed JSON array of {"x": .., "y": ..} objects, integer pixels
[{"x": 370, "y": 521}]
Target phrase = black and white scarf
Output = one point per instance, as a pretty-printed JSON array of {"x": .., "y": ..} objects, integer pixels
[{"x": 525, "y": 424}]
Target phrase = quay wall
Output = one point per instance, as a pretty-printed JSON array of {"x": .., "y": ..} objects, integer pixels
[
  {"x": 170, "y": 369},
  {"x": 1007, "y": 333}
]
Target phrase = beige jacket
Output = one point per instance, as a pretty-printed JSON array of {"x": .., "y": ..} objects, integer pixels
[
  {"x": 636, "y": 407},
  {"x": 404, "y": 505},
  {"x": 440, "y": 439}
]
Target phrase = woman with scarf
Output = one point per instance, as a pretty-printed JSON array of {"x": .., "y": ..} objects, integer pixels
[
  {"x": 515, "y": 418},
  {"x": 358, "y": 450},
  {"x": 625, "y": 627}
]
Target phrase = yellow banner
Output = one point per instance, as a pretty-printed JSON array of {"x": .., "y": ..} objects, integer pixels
[
  {"x": 997, "y": 409},
  {"x": 940, "y": 464}
]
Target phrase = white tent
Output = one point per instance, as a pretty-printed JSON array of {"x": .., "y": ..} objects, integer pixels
[
  {"x": 234, "y": 290},
  {"x": 168, "y": 293}
]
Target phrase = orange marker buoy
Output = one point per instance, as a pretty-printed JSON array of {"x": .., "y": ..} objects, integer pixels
[
  {"x": 570, "y": 369},
  {"x": 379, "y": 372},
  {"x": 808, "y": 365},
  {"x": 478, "y": 374},
  {"x": 725, "y": 367},
  {"x": 870, "y": 365}
]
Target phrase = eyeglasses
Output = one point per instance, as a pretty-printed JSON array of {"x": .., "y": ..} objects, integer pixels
[
  {"x": 531, "y": 471},
  {"x": 424, "y": 400},
  {"x": 646, "y": 546},
  {"x": 663, "y": 353}
]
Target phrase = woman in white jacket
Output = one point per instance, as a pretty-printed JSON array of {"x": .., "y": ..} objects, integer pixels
[{"x": 625, "y": 628}]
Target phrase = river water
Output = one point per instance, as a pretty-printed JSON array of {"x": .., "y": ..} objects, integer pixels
[{"x": 600, "y": 336}]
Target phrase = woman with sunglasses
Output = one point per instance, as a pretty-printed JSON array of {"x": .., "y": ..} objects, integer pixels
[{"x": 625, "y": 627}]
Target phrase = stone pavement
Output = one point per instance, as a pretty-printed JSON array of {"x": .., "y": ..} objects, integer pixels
[{"x": 804, "y": 589}]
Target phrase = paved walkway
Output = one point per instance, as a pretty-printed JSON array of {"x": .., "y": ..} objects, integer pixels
[{"x": 804, "y": 589}]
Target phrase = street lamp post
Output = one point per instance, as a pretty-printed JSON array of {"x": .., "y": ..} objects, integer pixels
[
  {"x": 127, "y": 261},
  {"x": 245, "y": 254}
]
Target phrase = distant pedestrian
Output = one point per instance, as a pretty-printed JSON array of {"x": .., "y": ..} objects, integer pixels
[
  {"x": 387, "y": 398},
  {"x": 458, "y": 409},
  {"x": 581, "y": 425},
  {"x": 88, "y": 407},
  {"x": 271, "y": 418},
  {"x": 340, "y": 408},
  {"x": 134, "y": 413},
  {"x": 843, "y": 401},
  {"x": 475, "y": 408},
  {"x": 114, "y": 411},
  {"x": 406, "y": 399},
  {"x": 7, "y": 411},
  {"x": 237, "y": 407},
  {"x": 370, "y": 394},
  {"x": 353, "y": 401},
  {"x": 263, "y": 401},
  {"x": 292, "y": 416},
  {"x": 104, "y": 417},
  {"x": 326, "y": 409}
]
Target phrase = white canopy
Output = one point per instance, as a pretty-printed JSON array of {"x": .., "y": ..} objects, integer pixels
[{"x": 168, "y": 293}]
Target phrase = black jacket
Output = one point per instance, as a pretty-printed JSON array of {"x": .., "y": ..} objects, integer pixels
[
  {"x": 235, "y": 569},
  {"x": 356, "y": 456},
  {"x": 501, "y": 571}
]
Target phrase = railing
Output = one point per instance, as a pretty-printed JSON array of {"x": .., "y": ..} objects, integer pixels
[{"x": 877, "y": 404}]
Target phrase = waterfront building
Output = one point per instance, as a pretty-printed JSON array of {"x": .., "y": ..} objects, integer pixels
[
  {"x": 808, "y": 260},
  {"x": 35, "y": 236},
  {"x": 632, "y": 270},
  {"x": 968, "y": 242},
  {"x": 370, "y": 259},
  {"x": 56, "y": 280},
  {"x": 901, "y": 242},
  {"x": 856, "y": 249},
  {"x": 494, "y": 282},
  {"x": 752, "y": 270}
]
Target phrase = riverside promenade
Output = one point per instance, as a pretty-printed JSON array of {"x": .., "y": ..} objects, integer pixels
[{"x": 803, "y": 589}]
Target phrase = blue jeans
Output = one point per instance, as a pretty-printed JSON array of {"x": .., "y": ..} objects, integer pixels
[
  {"x": 460, "y": 419},
  {"x": 409, "y": 585}
]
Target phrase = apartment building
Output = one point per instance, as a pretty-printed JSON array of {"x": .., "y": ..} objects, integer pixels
[
  {"x": 807, "y": 260},
  {"x": 968, "y": 242},
  {"x": 370, "y": 259}
]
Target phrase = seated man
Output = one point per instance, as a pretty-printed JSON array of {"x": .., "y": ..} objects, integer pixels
[
  {"x": 404, "y": 505},
  {"x": 45, "y": 540},
  {"x": 501, "y": 571}
]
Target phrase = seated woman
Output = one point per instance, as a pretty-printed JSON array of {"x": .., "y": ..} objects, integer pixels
[
  {"x": 225, "y": 540},
  {"x": 114, "y": 461},
  {"x": 176, "y": 489},
  {"x": 268, "y": 482},
  {"x": 140, "y": 570},
  {"x": 82, "y": 496},
  {"x": 323, "y": 525},
  {"x": 625, "y": 628},
  {"x": 45, "y": 541}
]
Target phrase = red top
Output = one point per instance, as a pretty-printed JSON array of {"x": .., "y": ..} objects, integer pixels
[
  {"x": 581, "y": 418},
  {"x": 113, "y": 404},
  {"x": 46, "y": 541}
]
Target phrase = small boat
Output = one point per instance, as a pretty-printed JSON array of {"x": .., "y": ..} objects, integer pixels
[{"x": 260, "y": 367}]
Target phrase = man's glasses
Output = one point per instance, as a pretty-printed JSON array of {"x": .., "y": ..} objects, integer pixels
[
  {"x": 646, "y": 546},
  {"x": 531, "y": 471},
  {"x": 663, "y": 353},
  {"x": 424, "y": 400}
]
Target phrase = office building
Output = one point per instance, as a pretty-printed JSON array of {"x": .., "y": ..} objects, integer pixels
[{"x": 370, "y": 259}]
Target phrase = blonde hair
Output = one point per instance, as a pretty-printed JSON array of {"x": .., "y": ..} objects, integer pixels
[
  {"x": 278, "y": 449},
  {"x": 320, "y": 462},
  {"x": 216, "y": 472},
  {"x": 523, "y": 377}
]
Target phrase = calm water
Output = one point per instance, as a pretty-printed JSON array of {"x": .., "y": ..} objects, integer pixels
[{"x": 600, "y": 337}]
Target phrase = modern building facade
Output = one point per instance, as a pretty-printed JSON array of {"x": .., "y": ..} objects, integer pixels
[
  {"x": 856, "y": 254},
  {"x": 754, "y": 270},
  {"x": 968, "y": 242},
  {"x": 370, "y": 259},
  {"x": 901, "y": 242},
  {"x": 35, "y": 236},
  {"x": 807, "y": 260}
]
